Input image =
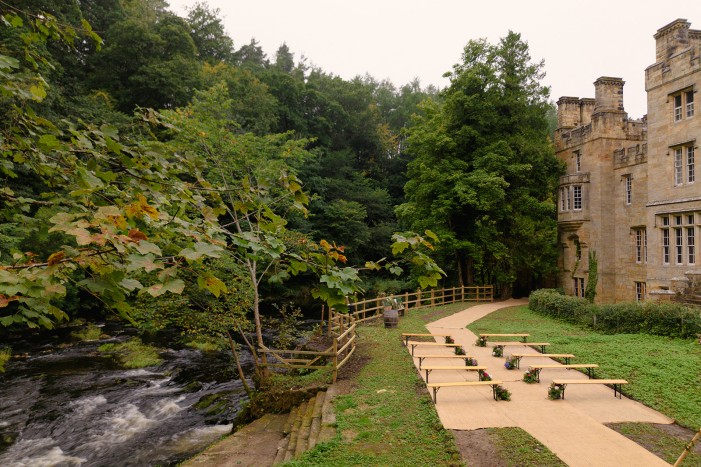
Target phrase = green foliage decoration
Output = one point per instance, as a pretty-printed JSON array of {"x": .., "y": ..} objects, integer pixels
[{"x": 590, "y": 292}]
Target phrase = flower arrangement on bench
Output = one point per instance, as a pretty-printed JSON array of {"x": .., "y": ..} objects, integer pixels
[
  {"x": 449, "y": 340},
  {"x": 511, "y": 362},
  {"x": 498, "y": 351},
  {"x": 459, "y": 351},
  {"x": 555, "y": 391},
  {"x": 531, "y": 376},
  {"x": 471, "y": 362},
  {"x": 481, "y": 341},
  {"x": 502, "y": 393},
  {"x": 484, "y": 376}
]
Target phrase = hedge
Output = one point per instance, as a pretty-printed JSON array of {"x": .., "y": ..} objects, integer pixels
[{"x": 662, "y": 319}]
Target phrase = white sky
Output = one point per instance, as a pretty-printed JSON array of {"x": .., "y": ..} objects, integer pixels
[{"x": 403, "y": 39}]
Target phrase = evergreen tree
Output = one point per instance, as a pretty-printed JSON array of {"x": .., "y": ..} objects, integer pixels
[{"x": 484, "y": 173}]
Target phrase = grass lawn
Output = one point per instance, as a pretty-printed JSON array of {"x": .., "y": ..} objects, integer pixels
[
  {"x": 663, "y": 373},
  {"x": 389, "y": 418}
]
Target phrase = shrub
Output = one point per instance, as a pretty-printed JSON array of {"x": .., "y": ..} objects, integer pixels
[
  {"x": 498, "y": 351},
  {"x": 481, "y": 342},
  {"x": 484, "y": 376},
  {"x": 471, "y": 362},
  {"x": 459, "y": 351},
  {"x": 449, "y": 340},
  {"x": 662, "y": 319}
]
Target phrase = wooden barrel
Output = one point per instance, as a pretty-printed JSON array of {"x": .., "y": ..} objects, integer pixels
[{"x": 391, "y": 318}]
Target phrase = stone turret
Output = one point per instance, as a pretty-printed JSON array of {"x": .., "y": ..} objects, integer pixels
[
  {"x": 568, "y": 112},
  {"x": 608, "y": 94},
  {"x": 671, "y": 39}
]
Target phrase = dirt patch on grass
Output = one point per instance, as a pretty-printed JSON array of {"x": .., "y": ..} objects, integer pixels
[
  {"x": 345, "y": 383},
  {"x": 650, "y": 438},
  {"x": 476, "y": 448}
]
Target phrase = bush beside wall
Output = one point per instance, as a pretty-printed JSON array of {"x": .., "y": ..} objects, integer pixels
[{"x": 662, "y": 319}]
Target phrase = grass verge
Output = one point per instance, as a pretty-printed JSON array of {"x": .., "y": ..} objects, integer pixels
[
  {"x": 664, "y": 373},
  {"x": 517, "y": 448},
  {"x": 657, "y": 440},
  {"x": 389, "y": 418}
]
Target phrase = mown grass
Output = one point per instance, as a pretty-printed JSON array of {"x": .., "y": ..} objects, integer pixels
[
  {"x": 664, "y": 373},
  {"x": 389, "y": 418}
]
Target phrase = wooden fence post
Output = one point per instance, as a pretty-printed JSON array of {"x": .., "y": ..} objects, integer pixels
[
  {"x": 462, "y": 293},
  {"x": 335, "y": 359},
  {"x": 433, "y": 297},
  {"x": 406, "y": 302},
  {"x": 418, "y": 298}
]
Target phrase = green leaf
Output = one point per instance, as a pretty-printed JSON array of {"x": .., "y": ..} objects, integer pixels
[
  {"x": 212, "y": 283},
  {"x": 131, "y": 284},
  {"x": 175, "y": 286},
  {"x": 48, "y": 142},
  {"x": 145, "y": 247}
]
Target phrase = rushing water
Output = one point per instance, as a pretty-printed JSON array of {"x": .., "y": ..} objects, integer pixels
[{"x": 71, "y": 406}]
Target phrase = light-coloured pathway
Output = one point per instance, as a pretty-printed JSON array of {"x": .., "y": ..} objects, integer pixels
[{"x": 572, "y": 428}]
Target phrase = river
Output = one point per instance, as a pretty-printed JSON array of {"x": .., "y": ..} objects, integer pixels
[{"x": 67, "y": 405}]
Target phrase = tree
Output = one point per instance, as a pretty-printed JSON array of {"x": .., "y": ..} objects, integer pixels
[
  {"x": 207, "y": 32},
  {"x": 484, "y": 173}
]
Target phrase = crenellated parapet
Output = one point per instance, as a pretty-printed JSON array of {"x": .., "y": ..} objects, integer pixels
[{"x": 629, "y": 156}]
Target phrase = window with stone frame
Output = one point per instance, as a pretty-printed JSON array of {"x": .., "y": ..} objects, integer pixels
[
  {"x": 684, "y": 163},
  {"x": 640, "y": 239},
  {"x": 665, "y": 240},
  {"x": 577, "y": 197},
  {"x": 579, "y": 287},
  {"x": 683, "y": 104},
  {"x": 628, "y": 181},
  {"x": 640, "y": 291},
  {"x": 577, "y": 161}
]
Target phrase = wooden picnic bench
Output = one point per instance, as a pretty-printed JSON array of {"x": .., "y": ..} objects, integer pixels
[
  {"x": 519, "y": 356},
  {"x": 542, "y": 345},
  {"x": 422, "y": 357},
  {"x": 437, "y": 386},
  {"x": 523, "y": 336},
  {"x": 407, "y": 335},
  {"x": 429, "y": 369},
  {"x": 587, "y": 366},
  {"x": 413, "y": 344},
  {"x": 616, "y": 383}
]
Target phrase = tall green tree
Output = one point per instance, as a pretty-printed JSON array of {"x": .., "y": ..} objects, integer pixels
[{"x": 484, "y": 174}]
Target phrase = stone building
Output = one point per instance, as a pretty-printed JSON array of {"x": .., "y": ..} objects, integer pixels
[{"x": 630, "y": 194}]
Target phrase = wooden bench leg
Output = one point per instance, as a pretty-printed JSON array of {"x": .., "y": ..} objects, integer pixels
[
  {"x": 567, "y": 360},
  {"x": 525, "y": 339},
  {"x": 518, "y": 363},
  {"x": 435, "y": 394},
  {"x": 421, "y": 360},
  {"x": 589, "y": 372},
  {"x": 542, "y": 349},
  {"x": 413, "y": 346},
  {"x": 494, "y": 392},
  {"x": 563, "y": 391},
  {"x": 406, "y": 341},
  {"x": 427, "y": 372},
  {"x": 537, "y": 374}
]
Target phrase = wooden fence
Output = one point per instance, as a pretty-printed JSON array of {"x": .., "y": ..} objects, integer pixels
[{"x": 341, "y": 327}]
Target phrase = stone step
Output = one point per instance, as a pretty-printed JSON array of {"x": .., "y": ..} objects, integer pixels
[
  {"x": 316, "y": 420},
  {"x": 290, "y": 421},
  {"x": 328, "y": 417},
  {"x": 294, "y": 432},
  {"x": 305, "y": 428}
]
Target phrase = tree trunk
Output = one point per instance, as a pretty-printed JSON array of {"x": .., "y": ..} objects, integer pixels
[
  {"x": 246, "y": 387},
  {"x": 470, "y": 272},
  {"x": 256, "y": 318}
]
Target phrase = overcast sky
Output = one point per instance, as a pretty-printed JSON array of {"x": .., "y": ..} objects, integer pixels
[{"x": 403, "y": 39}]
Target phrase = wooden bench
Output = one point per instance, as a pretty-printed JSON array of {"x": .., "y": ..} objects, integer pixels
[
  {"x": 429, "y": 369},
  {"x": 588, "y": 366},
  {"x": 542, "y": 345},
  {"x": 519, "y": 356},
  {"x": 523, "y": 336},
  {"x": 422, "y": 357},
  {"x": 437, "y": 386},
  {"x": 407, "y": 335},
  {"x": 413, "y": 345},
  {"x": 616, "y": 383}
]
